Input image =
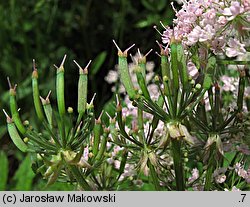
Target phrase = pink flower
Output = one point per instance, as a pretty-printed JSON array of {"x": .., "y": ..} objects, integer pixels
[
  {"x": 167, "y": 34},
  {"x": 234, "y": 10},
  {"x": 210, "y": 21},
  {"x": 195, "y": 175},
  {"x": 235, "y": 48},
  {"x": 220, "y": 178},
  {"x": 192, "y": 70},
  {"x": 193, "y": 37}
]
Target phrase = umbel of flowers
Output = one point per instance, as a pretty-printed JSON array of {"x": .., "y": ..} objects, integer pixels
[{"x": 217, "y": 26}]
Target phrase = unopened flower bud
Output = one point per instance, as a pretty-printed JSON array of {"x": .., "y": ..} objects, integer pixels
[
  {"x": 26, "y": 123},
  {"x": 156, "y": 79},
  {"x": 165, "y": 78},
  {"x": 70, "y": 110},
  {"x": 26, "y": 140},
  {"x": 198, "y": 86}
]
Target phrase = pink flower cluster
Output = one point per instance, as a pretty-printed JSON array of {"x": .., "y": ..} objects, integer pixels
[{"x": 218, "y": 26}]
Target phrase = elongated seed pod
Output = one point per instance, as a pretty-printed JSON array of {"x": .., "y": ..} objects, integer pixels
[
  {"x": 165, "y": 72},
  {"x": 174, "y": 64},
  {"x": 14, "y": 109},
  {"x": 182, "y": 65},
  {"x": 14, "y": 135},
  {"x": 60, "y": 88},
  {"x": 48, "y": 109},
  {"x": 36, "y": 94},
  {"x": 124, "y": 161},
  {"x": 217, "y": 103},
  {"x": 142, "y": 83},
  {"x": 124, "y": 72},
  {"x": 241, "y": 90},
  {"x": 82, "y": 88},
  {"x": 97, "y": 134},
  {"x": 113, "y": 128},
  {"x": 103, "y": 145}
]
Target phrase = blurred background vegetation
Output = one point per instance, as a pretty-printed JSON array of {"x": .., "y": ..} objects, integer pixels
[{"x": 45, "y": 30}]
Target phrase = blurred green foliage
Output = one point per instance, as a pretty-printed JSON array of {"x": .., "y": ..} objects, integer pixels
[{"x": 45, "y": 30}]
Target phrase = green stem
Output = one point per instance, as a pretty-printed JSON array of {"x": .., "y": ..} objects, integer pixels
[
  {"x": 79, "y": 177},
  {"x": 178, "y": 166},
  {"x": 210, "y": 168},
  {"x": 154, "y": 176}
]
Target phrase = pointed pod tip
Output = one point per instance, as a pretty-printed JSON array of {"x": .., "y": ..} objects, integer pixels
[
  {"x": 9, "y": 83},
  {"x": 80, "y": 68},
  {"x": 55, "y": 66},
  {"x": 148, "y": 52},
  {"x": 92, "y": 100},
  {"x": 34, "y": 64},
  {"x": 129, "y": 48},
  {"x": 63, "y": 61},
  {"x": 9, "y": 120},
  {"x": 118, "y": 48},
  {"x": 86, "y": 67},
  {"x": 5, "y": 113}
]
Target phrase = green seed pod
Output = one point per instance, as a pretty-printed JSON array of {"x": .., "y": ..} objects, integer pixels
[
  {"x": 60, "y": 88},
  {"x": 123, "y": 161},
  {"x": 97, "y": 134},
  {"x": 47, "y": 109},
  {"x": 142, "y": 60},
  {"x": 142, "y": 83},
  {"x": 241, "y": 90},
  {"x": 124, "y": 72},
  {"x": 36, "y": 95},
  {"x": 14, "y": 109},
  {"x": 165, "y": 71},
  {"x": 82, "y": 88},
  {"x": 182, "y": 65},
  {"x": 14, "y": 135},
  {"x": 174, "y": 64},
  {"x": 103, "y": 145},
  {"x": 113, "y": 128},
  {"x": 217, "y": 104}
]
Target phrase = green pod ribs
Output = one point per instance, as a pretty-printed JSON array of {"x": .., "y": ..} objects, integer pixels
[
  {"x": 60, "y": 88},
  {"x": 124, "y": 72},
  {"x": 14, "y": 135}
]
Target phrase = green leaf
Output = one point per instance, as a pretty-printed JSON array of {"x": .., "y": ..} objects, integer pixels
[
  {"x": 98, "y": 62},
  {"x": 4, "y": 170},
  {"x": 24, "y": 175},
  {"x": 228, "y": 157}
]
